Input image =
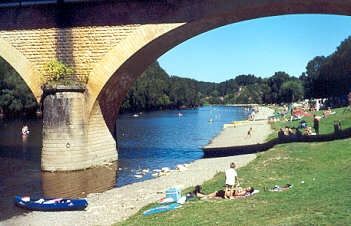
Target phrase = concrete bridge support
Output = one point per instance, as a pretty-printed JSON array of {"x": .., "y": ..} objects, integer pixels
[{"x": 71, "y": 139}]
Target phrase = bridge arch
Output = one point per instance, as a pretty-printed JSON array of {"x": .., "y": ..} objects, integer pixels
[
  {"x": 23, "y": 66},
  {"x": 124, "y": 63}
]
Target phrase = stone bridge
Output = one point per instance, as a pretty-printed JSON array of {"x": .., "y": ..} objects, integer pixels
[{"x": 112, "y": 43}]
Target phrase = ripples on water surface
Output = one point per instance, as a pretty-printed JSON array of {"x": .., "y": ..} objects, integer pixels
[
  {"x": 151, "y": 141},
  {"x": 164, "y": 139}
]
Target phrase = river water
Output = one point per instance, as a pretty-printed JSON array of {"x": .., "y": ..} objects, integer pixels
[{"x": 150, "y": 141}]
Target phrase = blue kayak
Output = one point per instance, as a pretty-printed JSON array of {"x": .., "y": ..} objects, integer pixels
[{"x": 50, "y": 204}]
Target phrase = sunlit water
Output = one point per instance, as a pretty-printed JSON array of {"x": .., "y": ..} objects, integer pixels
[
  {"x": 150, "y": 141},
  {"x": 165, "y": 139}
]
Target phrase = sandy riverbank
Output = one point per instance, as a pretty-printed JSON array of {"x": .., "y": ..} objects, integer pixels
[
  {"x": 237, "y": 135},
  {"x": 120, "y": 203}
]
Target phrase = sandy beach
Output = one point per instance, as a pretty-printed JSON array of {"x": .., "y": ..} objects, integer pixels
[
  {"x": 118, "y": 204},
  {"x": 237, "y": 134}
]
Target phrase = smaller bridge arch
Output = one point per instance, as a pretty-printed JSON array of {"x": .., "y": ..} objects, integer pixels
[{"x": 23, "y": 66}]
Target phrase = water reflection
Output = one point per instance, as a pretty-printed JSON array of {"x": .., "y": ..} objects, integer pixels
[
  {"x": 79, "y": 183},
  {"x": 18, "y": 177}
]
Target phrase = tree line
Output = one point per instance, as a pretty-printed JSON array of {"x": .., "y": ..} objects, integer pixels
[
  {"x": 325, "y": 76},
  {"x": 15, "y": 96}
]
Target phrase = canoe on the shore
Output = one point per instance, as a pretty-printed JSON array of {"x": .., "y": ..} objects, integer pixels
[{"x": 50, "y": 204}]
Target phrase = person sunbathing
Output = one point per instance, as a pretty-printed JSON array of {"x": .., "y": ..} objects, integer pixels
[
  {"x": 244, "y": 192},
  {"x": 196, "y": 193},
  {"x": 282, "y": 188},
  {"x": 220, "y": 194}
]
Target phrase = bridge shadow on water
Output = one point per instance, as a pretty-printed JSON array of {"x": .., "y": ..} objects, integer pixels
[{"x": 256, "y": 148}]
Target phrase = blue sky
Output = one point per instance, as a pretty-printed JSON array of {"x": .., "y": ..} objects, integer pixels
[{"x": 261, "y": 47}]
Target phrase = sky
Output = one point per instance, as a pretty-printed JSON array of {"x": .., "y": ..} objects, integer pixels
[{"x": 260, "y": 47}]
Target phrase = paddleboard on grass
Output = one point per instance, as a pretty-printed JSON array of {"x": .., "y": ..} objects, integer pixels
[{"x": 160, "y": 209}]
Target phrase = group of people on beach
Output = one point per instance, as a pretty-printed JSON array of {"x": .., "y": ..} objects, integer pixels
[
  {"x": 231, "y": 190},
  {"x": 304, "y": 129}
]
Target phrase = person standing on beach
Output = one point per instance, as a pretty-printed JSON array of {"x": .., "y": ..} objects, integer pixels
[
  {"x": 249, "y": 133},
  {"x": 231, "y": 180},
  {"x": 316, "y": 124}
]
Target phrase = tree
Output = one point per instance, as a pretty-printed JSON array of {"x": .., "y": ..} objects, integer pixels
[
  {"x": 15, "y": 96},
  {"x": 291, "y": 91},
  {"x": 244, "y": 80},
  {"x": 275, "y": 82}
]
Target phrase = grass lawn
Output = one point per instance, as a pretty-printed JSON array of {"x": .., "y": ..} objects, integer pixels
[
  {"x": 326, "y": 125},
  {"x": 323, "y": 199}
]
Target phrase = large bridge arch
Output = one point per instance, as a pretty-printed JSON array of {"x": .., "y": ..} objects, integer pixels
[
  {"x": 23, "y": 66},
  {"x": 124, "y": 63}
]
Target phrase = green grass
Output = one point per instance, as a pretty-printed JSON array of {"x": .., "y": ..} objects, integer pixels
[
  {"x": 326, "y": 124},
  {"x": 323, "y": 199}
]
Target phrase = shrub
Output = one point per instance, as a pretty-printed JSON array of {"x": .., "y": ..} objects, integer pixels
[{"x": 58, "y": 73}]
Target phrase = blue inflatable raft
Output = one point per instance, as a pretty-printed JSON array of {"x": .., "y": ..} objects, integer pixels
[
  {"x": 160, "y": 209},
  {"x": 50, "y": 204}
]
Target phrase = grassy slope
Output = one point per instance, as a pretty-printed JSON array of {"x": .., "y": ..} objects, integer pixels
[
  {"x": 326, "y": 124},
  {"x": 324, "y": 198}
]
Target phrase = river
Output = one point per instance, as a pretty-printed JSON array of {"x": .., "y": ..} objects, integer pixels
[{"x": 150, "y": 141}]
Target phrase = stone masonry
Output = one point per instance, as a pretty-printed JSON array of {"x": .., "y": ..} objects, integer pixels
[{"x": 70, "y": 141}]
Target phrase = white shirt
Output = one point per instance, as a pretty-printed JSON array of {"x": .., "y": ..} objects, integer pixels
[{"x": 230, "y": 175}]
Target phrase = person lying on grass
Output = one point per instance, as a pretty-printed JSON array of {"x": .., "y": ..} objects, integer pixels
[
  {"x": 221, "y": 194},
  {"x": 243, "y": 192},
  {"x": 281, "y": 188},
  {"x": 196, "y": 193}
]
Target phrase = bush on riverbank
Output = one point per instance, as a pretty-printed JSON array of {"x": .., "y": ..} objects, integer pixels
[{"x": 323, "y": 199}]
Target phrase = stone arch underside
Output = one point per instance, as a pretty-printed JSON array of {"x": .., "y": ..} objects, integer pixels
[
  {"x": 23, "y": 66},
  {"x": 111, "y": 79}
]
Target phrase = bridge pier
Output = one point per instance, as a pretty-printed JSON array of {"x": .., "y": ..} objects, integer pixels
[{"x": 73, "y": 140}]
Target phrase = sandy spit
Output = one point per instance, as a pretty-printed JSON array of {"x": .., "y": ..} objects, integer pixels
[{"x": 238, "y": 135}]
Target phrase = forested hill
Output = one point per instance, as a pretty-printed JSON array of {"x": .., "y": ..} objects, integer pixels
[
  {"x": 155, "y": 89},
  {"x": 325, "y": 76}
]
